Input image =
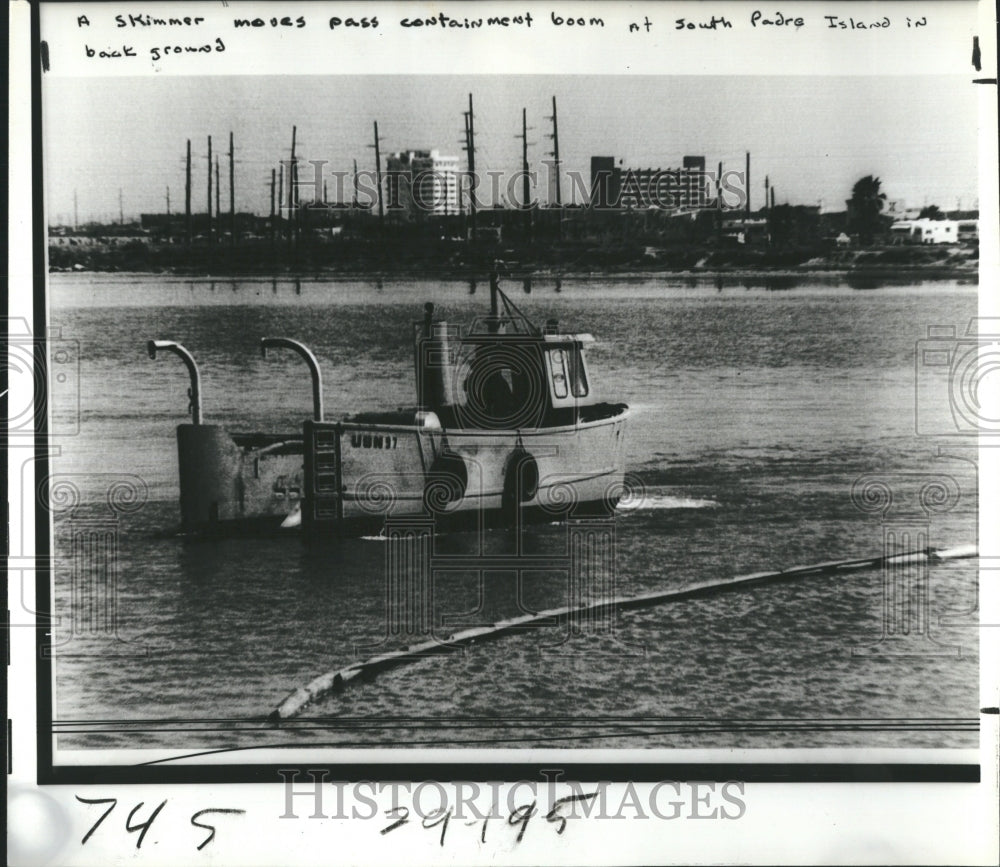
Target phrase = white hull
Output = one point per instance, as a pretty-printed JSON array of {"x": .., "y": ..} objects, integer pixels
[{"x": 388, "y": 471}]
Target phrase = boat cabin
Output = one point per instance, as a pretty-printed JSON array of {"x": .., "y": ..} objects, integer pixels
[{"x": 504, "y": 373}]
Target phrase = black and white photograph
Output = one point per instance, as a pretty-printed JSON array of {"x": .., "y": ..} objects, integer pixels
[{"x": 443, "y": 420}]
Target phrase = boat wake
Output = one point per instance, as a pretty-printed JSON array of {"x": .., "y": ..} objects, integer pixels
[
  {"x": 651, "y": 502},
  {"x": 648, "y": 502}
]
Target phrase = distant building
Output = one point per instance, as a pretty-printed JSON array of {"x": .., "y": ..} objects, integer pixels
[
  {"x": 67, "y": 240},
  {"x": 742, "y": 230},
  {"x": 422, "y": 183},
  {"x": 161, "y": 225},
  {"x": 678, "y": 189},
  {"x": 158, "y": 222},
  {"x": 927, "y": 231}
]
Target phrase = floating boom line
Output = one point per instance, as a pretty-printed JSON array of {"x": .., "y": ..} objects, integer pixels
[{"x": 336, "y": 681}]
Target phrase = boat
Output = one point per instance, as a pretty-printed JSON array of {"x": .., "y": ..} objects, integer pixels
[{"x": 508, "y": 427}]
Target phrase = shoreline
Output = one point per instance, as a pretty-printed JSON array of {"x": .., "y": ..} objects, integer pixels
[
  {"x": 889, "y": 274},
  {"x": 413, "y": 258}
]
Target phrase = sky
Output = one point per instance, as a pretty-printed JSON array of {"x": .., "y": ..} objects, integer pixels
[{"x": 813, "y": 136}]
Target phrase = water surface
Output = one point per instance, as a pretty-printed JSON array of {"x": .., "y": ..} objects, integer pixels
[{"x": 755, "y": 410}]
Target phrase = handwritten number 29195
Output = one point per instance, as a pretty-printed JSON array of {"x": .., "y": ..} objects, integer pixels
[{"x": 519, "y": 817}]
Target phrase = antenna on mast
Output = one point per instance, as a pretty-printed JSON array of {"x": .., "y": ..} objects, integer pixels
[{"x": 554, "y": 153}]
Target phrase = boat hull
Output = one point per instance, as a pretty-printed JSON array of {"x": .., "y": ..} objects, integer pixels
[
  {"x": 350, "y": 478},
  {"x": 228, "y": 481}
]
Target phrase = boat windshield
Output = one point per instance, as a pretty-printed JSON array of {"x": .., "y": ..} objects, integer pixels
[{"x": 568, "y": 375}]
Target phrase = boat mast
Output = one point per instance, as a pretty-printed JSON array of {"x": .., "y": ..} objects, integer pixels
[
  {"x": 471, "y": 151},
  {"x": 494, "y": 292}
]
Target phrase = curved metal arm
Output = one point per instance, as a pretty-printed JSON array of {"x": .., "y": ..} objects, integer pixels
[
  {"x": 194, "y": 392},
  {"x": 310, "y": 359}
]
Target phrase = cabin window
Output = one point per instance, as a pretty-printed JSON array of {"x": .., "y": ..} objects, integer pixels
[
  {"x": 577, "y": 375},
  {"x": 568, "y": 375},
  {"x": 559, "y": 384}
]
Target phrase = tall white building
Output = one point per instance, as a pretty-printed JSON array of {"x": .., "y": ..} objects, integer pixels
[{"x": 422, "y": 183}]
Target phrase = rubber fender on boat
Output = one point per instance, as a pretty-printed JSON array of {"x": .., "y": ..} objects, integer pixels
[
  {"x": 520, "y": 478},
  {"x": 446, "y": 481}
]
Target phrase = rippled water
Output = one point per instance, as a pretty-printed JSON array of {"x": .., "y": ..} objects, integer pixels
[{"x": 754, "y": 413}]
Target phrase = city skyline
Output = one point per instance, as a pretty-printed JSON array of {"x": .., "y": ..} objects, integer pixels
[{"x": 812, "y": 136}]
